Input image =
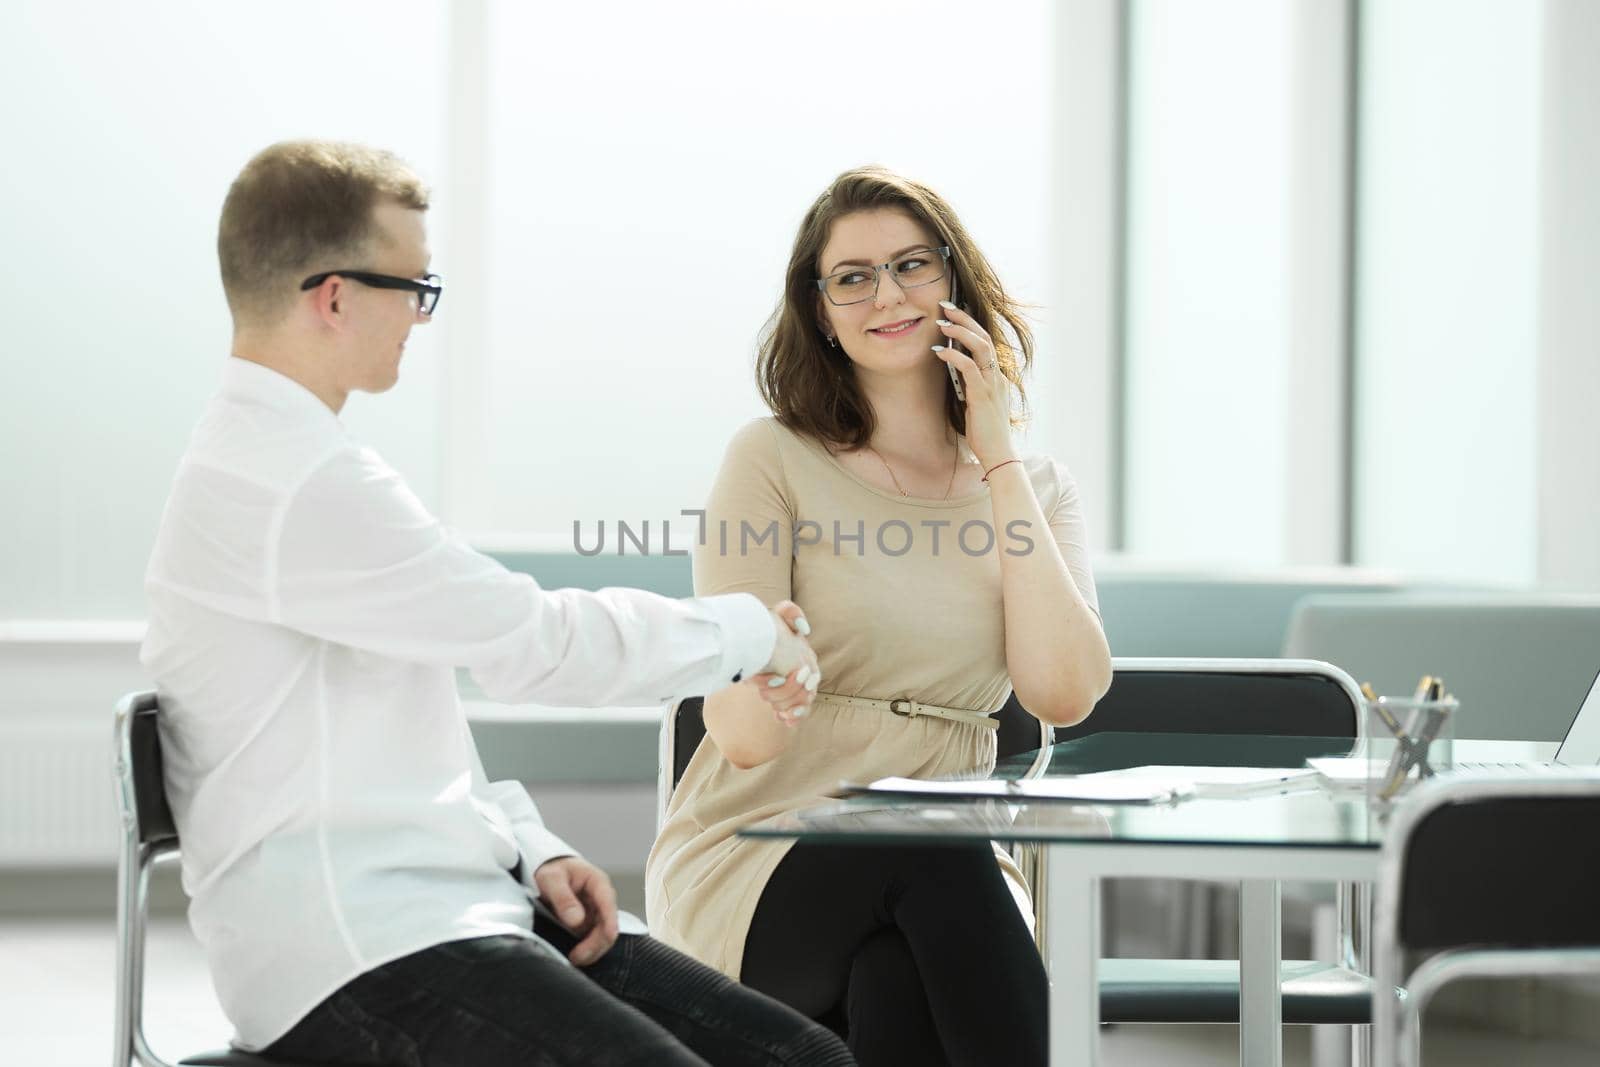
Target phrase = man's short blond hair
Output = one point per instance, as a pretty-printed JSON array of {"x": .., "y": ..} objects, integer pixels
[{"x": 300, "y": 207}]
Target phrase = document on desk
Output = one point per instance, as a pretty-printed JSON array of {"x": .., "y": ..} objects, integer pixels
[
  {"x": 1350, "y": 773},
  {"x": 1212, "y": 782},
  {"x": 1081, "y": 789}
]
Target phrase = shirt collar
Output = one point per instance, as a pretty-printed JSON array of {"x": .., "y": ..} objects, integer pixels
[{"x": 244, "y": 380}]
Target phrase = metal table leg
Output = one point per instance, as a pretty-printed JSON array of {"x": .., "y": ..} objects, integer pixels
[
  {"x": 1072, "y": 958},
  {"x": 1260, "y": 964}
]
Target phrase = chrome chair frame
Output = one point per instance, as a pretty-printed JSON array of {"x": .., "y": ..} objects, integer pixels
[
  {"x": 141, "y": 850},
  {"x": 1397, "y": 1020},
  {"x": 133, "y": 893}
]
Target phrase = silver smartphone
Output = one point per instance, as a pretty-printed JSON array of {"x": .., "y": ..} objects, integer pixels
[{"x": 950, "y": 342}]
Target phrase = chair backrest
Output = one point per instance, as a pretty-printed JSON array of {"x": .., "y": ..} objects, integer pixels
[
  {"x": 141, "y": 786},
  {"x": 684, "y": 726},
  {"x": 1018, "y": 732},
  {"x": 1272, "y": 697},
  {"x": 1483, "y": 877},
  {"x": 1507, "y": 864},
  {"x": 1520, "y": 665}
]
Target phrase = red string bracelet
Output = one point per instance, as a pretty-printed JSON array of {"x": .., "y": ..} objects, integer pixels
[{"x": 996, "y": 467}]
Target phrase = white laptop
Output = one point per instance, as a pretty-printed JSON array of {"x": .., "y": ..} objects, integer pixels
[{"x": 1580, "y": 748}]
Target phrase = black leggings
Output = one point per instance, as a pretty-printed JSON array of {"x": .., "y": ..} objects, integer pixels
[{"x": 916, "y": 953}]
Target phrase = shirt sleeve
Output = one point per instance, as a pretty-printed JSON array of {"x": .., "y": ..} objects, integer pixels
[
  {"x": 358, "y": 560},
  {"x": 749, "y": 533},
  {"x": 536, "y": 843},
  {"x": 513, "y": 816},
  {"x": 1070, "y": 532}
]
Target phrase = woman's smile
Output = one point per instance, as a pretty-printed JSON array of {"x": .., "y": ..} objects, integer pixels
[{"x": 895, "y": 329}]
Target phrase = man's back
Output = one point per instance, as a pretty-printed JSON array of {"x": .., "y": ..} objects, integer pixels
[{"x": 325, "y": 794}]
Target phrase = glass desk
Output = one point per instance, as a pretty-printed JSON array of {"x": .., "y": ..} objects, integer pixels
[{"x": 1303, "y": 834}]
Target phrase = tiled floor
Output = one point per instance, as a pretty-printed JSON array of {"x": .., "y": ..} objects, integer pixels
[{"x": 56, "y": 982}]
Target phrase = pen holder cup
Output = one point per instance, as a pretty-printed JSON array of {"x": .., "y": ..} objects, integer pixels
[{"x": 1407, "y": 740}]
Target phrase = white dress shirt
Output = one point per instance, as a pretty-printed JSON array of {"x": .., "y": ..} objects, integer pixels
[{"x": 306, "y": 617}]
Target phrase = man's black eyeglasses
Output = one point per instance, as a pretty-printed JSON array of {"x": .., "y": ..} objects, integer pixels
[{"x": 427, "y": 287}]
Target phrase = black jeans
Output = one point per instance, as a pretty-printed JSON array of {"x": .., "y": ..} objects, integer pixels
[
  {"x": 495, "y": 1001},
  {"x": 917, "y": 954}
]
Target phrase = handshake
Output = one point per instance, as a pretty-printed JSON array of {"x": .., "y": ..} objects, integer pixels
[{"x": 790, "y": 679}]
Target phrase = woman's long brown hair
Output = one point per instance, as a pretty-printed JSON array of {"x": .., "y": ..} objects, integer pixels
[{"x": 811, "y": 386}]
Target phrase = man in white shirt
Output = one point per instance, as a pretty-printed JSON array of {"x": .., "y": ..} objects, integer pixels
[{"x": 362, "y": 892}]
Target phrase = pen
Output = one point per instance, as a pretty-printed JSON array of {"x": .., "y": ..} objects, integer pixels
[
  {"x": 1401, "y": 762},
  {"x": 1371, "y": 696}
]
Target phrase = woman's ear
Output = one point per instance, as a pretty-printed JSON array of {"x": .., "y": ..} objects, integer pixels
[{"x": 822, "y": 321}]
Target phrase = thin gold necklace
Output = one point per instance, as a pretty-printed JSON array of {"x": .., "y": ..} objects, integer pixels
[{"x": 954, "y": 465}]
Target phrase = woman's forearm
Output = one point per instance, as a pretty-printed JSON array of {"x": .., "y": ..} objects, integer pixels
[
  {"x": 1056, "y": 652},
  {"x": 743, "y": 727}
]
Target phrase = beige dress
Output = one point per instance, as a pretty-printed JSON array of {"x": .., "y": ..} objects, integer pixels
[{"x": 904, "y": 600}]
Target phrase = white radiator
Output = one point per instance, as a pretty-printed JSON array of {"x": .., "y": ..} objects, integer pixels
[
  {"x": 57, "y": 803},
  {"x": 61, "y": 680}
]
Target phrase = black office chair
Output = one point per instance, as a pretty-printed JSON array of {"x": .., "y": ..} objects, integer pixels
[
  {"x": 1262, "y": 697},
  {"x": 1281, "y": 698},
  {"x": 1290, "y": 699},
  {"x": 1487, "y": 877},
  {"x": 1018, "y": 736},
  {"x": 684, "y": 726},
  {"x": 148, "y": 836}
]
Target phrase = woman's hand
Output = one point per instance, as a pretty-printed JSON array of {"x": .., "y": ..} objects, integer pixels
[
  {"x": 988, "y": 391},
  {"x": 789, "y": 695}
]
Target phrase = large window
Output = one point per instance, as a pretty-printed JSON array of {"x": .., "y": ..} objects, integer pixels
[
  {"x": 643, "y": 198},
  {"x": 123, "y": 126},
  {"x": 1208, "y": 257},
  {"x": 613, "y": 215},
  {"x": 1447, "y": 289}
]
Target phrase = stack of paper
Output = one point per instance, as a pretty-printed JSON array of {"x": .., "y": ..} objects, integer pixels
[
  {"x": 1136, "y": 785},
  {"x": 1213, "y": 781},
  {"x": 1080, "y": 789}
]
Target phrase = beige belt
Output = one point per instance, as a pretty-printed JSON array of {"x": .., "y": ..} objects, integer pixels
[{"x": 910, "y": 709}]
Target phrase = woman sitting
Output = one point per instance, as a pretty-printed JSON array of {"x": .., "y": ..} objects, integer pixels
[{"x": 935, "y": 565}]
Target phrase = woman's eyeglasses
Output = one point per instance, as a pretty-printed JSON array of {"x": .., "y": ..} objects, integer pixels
[{"x": 855, "y": 284}]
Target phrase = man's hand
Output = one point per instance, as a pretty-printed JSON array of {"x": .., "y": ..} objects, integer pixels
[
  {"x": 791, "y": 678},
  {"x": 581, "y": 896}
]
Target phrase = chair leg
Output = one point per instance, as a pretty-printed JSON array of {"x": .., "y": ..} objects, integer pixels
[
  {"x": 1330, "y": 1045},
  {"x": 130, "y": 952},
  {"x": 1361, "y": 1046},
  {"x": 1409, "y": 1054}
]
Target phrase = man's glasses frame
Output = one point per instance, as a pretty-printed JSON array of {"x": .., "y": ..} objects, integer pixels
[
  {"x": 428, "y": 287},
  {"x": 878, "y": 270}
]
